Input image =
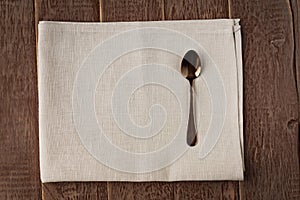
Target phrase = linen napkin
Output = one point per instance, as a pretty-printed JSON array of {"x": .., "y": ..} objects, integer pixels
[{"x": 113, "y": 105}]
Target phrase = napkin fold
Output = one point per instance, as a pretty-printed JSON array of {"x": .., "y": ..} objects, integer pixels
[{"x": 113, "y": 105}]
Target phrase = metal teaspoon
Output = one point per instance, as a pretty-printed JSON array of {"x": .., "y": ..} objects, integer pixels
[{"x": 191, "y": 69}]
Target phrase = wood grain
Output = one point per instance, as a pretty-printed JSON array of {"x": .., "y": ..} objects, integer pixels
[
  {"x": 206, "y": 190},
  {"x": 83, "y": 11},
  {"x": 141, "y": 190},
  {"x": 270, "y": 100},
  {"x": 19, "y": 165},
  {"x": 193, "y": 9},
  {"x": 75, "y": 190},
  {"x": 136, "y": 10},
  {"x": 68, "y": 10},
  {"x": 132, "y": 10},
  {"x": 196, "y": 9}
]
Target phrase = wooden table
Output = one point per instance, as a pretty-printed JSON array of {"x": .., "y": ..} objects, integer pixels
[{"x": 271, "y": 54}]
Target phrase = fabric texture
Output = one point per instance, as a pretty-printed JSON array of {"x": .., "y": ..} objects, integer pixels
[{"x": 113, "y": 105}]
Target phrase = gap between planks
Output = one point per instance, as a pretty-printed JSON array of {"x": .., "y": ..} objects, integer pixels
[
  {"x": 162, "y": 10},
  {"x": 294, "y": 15},
  {"x": 101, "y": 10},
  {"x": 229, "y": 9}
]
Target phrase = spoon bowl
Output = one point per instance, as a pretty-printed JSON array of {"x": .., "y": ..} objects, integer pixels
[{"x": 191, "y": 65}]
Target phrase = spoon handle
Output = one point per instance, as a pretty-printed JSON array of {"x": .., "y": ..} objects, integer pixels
[{"x": 191, "y": 132}]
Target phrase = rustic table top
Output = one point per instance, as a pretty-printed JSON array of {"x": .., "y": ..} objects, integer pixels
[{"x": 271, "y": 55}]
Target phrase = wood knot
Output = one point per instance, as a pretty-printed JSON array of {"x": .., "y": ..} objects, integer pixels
[
  {"x": 292, "y": 123},
  {"x": 278, "y": 42}
]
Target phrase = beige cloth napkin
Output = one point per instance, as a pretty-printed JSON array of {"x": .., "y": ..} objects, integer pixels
[{"x": 113, "y": 105}]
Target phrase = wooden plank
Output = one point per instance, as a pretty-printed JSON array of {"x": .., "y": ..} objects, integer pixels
[
  {"x": 68, "y": 10},
  {"x": 136, "y": 10},
  {"x": 19, "y": 163},
  {"x": 193, "y": 9},
  {"x": 270, "y": 99},
  {"x": 132, "y": 10},
  {"x": 140, "y": 190},
  {"x": 80, "y": 11},
  {"x": 206, "y": 190},
  {"x": 19, "y": 175},
  {"x": 74, "y": 190}
]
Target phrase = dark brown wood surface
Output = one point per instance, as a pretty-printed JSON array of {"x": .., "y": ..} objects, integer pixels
[
  {"x": 270, "y": 100},
  {"x": 19, "y": 157},
  {"x": 271, "y": 43}
]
